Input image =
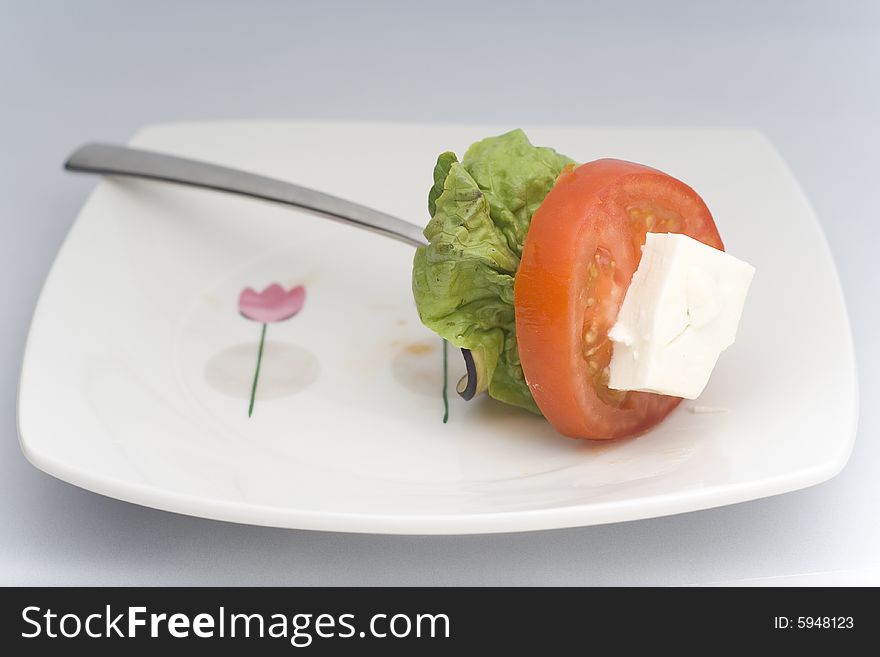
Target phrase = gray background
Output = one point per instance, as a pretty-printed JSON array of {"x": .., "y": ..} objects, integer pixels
[{"x": 806, "y": 73}]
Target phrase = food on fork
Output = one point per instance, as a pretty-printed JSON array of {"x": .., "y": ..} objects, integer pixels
[{"x": 535, "y": 265}]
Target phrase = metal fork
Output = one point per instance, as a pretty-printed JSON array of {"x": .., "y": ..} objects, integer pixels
[{"x": 109, "y": 159}]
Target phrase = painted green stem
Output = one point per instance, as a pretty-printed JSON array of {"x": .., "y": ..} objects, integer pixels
[
  {"x": 257, "y": 372},
  {"x": 445, "y": 381}
]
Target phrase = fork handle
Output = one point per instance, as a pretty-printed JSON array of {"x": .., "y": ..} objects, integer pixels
[{"x": 110, "y": 159}]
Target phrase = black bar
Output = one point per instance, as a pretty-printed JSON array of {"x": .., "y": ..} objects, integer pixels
[{"x": 445, "y": 620}]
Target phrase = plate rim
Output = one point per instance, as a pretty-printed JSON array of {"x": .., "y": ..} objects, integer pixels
[{"x": 560, "y": 517}]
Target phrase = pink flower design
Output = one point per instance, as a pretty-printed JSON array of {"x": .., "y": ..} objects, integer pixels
[{"x": 273, "y": 304}]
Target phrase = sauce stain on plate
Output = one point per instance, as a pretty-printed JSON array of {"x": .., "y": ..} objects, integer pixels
[{"x": 418, "y": 366}]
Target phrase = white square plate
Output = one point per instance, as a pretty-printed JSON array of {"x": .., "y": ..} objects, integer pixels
[{"x": 138, "y": 365}]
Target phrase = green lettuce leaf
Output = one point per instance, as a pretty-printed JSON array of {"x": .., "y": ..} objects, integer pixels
[{"x": 480, "y": 210}]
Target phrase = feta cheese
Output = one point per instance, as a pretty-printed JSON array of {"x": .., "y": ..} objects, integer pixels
[{"x": 680, "y": 312}]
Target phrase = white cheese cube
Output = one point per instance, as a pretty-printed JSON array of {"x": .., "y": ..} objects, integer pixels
[{"x": 680, "y": 312}]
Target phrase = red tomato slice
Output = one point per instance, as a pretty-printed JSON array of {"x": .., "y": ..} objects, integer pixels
[{"x": 582, "y": 248}]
